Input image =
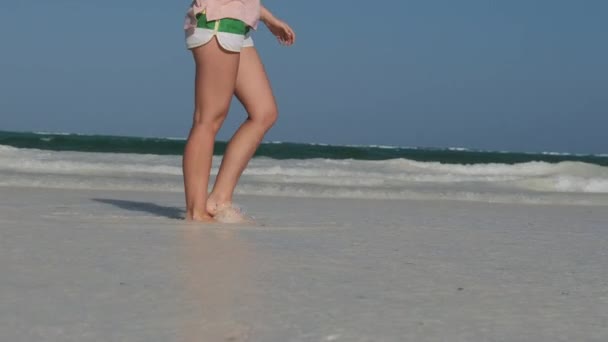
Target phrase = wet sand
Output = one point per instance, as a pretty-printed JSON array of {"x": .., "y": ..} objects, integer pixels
[{"x": 86, "y": 265}]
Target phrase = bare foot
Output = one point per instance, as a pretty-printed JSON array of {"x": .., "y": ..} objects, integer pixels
[
  {"x": 199, "y": 217},
  {"x": 226, "y": 211},
  {"x": 214, "y": 205}
]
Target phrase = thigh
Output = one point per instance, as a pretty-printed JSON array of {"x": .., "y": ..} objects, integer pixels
[
  {"x": 252, "y": 85},
  {"x": 216, "y": 73}
]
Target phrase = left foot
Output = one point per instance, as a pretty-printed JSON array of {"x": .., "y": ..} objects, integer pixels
[{"x": 199, "y": 217}]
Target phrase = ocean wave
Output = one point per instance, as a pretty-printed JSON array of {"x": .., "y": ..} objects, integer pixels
[
  {"x": 460, "y": 149},
  {"x": 56, "y": 133},
  {"x": 382, "y": 179},
  {"x": 564, "y": 183},
  {"x": 382, "y": 147}
]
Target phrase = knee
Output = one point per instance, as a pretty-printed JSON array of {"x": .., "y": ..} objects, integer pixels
[
  {"x": 210, "y": 121},
  {"x": 266, "y": 118}
]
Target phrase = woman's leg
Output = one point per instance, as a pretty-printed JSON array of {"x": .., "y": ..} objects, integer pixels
[
  {"x": 254, "y": 91},
  {"x": 216, "y": 73}
]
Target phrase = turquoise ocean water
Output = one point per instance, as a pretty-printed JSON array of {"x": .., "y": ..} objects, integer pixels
[{"x": 285, "y": 150}]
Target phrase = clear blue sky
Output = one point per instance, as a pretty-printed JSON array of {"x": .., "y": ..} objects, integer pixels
[{"x": 510, "y": 75}]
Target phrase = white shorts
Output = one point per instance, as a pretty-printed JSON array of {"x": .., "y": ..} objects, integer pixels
[
  {"x": 232, "y": 34},
  {"x": 228, "y": 41}
]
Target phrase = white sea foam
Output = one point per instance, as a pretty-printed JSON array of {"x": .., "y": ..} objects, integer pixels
[
  {"x": 385, "y": 147},
  {"x": 531, "y": 182},
  {"x": 55, "y": 133},
  {"x": 459, "y": 149}
]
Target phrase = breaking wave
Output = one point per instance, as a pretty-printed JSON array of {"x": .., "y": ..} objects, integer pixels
[{"x": 530, "y": 182}]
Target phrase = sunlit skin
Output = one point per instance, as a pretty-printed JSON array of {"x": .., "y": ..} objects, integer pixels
[{"x": 220, "y": 74}]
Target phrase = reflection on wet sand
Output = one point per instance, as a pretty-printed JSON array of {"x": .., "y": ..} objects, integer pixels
[{"x": 217, "y": 274}]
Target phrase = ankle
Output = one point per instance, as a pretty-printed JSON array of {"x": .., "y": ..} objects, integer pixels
[{"x": 219, "y": 198}]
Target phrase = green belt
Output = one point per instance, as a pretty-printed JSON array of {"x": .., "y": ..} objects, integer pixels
[{"x": 228, "y": 25}]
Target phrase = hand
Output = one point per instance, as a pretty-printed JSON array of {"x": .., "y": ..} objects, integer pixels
[{"x": 282, "y": 31}]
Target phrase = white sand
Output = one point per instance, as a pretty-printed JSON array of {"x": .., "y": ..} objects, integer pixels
[{"x": 84, "y": 265}]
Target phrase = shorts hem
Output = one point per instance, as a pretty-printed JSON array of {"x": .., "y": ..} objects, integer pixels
[{"x": 227, "y": 41}]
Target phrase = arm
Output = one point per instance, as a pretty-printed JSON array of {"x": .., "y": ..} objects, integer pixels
[
  {"x": 277, "y": 27},
  {"x": 265, "y": 15}
]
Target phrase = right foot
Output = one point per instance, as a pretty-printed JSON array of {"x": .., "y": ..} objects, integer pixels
[
  {"x": 214, "y": 206},
  {"x": 226, "y": 212}
]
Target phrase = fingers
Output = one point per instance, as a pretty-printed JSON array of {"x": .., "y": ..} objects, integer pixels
[
  {"x": 284, "y": 34},
  {"x": 292, "y": 34},
  {"x": 289, "y": 37}
]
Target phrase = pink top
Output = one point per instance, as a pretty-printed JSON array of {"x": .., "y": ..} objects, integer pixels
[{"x": 248, "y": 11}]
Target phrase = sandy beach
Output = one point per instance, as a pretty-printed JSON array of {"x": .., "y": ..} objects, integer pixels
[
  {"x": 91, "y": 265},
  {"x": 414, "y": 171}
]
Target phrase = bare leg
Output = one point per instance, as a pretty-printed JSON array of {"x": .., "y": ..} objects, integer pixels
[
  {"x": 216, "y": 72},
  {"x": 254, "y": 91}
]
